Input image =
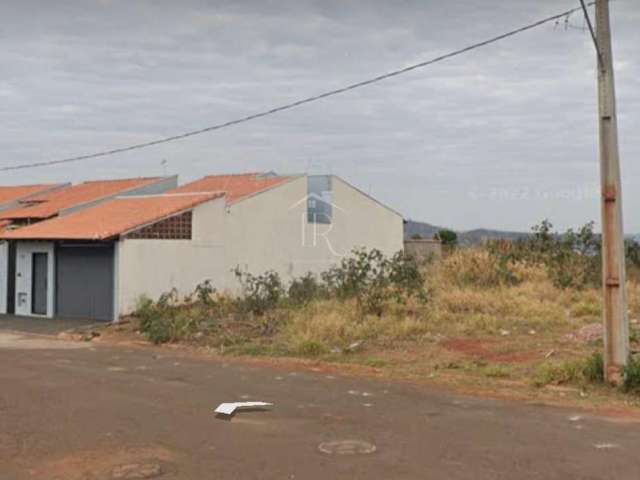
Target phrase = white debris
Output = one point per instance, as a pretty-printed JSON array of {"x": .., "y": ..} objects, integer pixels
[
  {"x": 230, "y": 408},
  {"x": 606, "y": 446},
  {"x": 575, "y": 418}
]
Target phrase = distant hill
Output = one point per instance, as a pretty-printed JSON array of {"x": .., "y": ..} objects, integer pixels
[
  {"x": 476, "y": 236},
  {"x": 468, "y": 237}
]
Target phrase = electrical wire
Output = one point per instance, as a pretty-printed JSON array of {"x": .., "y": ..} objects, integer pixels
[
  {"x": 593, "y": 33},
  {"x": 295, "y": 104}
]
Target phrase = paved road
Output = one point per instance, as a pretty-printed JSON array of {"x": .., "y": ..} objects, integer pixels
[{"x": 83, "y": 411}]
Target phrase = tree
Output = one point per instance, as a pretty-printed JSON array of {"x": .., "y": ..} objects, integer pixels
[{"x": 448, "y": 237}]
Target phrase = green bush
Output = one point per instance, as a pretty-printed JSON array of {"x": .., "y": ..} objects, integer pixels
[
  {"x": 632, "y": 376},
  {"x": 304, "y": 290},
  {"x": 260, "y": 293},
  {"x": 593, "y": 370},
  {"x": 448, "y": 237},
  {"x": 558, "y": 373},
  {"x": 311, "y": 348},
  {"x": 374, "y": 280},
  {"x": 170, "y": 318},
  {"x": 572, "y": 259}
]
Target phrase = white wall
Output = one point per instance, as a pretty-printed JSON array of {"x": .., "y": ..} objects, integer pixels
[
  {"x": 270, "y": 230},
  {"x": 154, "y": 267},
  {"x": 4, "y": 272},
  {"x": 24, "y": 255}
]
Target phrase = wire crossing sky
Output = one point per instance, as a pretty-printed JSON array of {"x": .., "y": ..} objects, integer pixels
[
  {"x": 297, "y": 103},
  {"x": 500, "y": 136}
]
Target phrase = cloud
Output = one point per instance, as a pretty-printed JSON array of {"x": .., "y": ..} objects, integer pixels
[{"x": 501, "y": 137}]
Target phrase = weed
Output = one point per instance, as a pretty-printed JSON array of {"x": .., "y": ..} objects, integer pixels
[
  {"x": 593, "y": 370},
  {"x": 558, "y": 373},
  {"x": 312, "y": 348},
  {"x": 632, "y": 376},
  {"x": 261, "y": 293},
  {"x": 375, "y": 362},
  {"x": 497, "y": 371},
  {"x": 304, "y": 290}
]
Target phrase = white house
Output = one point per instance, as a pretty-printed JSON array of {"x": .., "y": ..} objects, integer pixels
[
  {"x": 27, "y": 205},
  {"x": 97, "y": 262}
]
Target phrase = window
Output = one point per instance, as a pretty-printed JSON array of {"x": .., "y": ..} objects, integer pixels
[
  {"x": 319, "y": 199},
  {"x": 173, "y": 228}
]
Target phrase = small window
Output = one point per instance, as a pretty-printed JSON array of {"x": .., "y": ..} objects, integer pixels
[
  {"x": 319, "y": 199},
  {"x": 173, "y": 228}
]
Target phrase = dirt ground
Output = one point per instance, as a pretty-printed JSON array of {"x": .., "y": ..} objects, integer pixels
[
  {"x": 91, "y": 410},
  {"x": 501, "y": 366}
]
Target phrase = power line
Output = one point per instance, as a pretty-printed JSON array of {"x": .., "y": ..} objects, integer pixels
[
  {"x": 297, "y": 103},
  {"x": 592, "y": 31}
]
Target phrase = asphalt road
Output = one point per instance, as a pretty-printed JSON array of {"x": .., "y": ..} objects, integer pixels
[{"x": 83, "y": 411}]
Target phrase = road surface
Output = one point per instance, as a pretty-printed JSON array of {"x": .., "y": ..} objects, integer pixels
[{"x": 87, "y": 411}]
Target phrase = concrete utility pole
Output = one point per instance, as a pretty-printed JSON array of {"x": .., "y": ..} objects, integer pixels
[{"x": 615, "y": 316}]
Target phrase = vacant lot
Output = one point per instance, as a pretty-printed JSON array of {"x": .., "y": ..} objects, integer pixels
[{"x": 504, "y": 320}]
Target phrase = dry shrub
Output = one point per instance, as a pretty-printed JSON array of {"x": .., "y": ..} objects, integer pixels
[
  {"x": 477, "y": 267},
  {"x": 633, "y": 296},
  {"x": 335, "y": 324}
]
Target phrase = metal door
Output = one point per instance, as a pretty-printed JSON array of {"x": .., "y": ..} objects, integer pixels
[
  {"x": 39, "y": 283},
  {"x": 85, "y": 281}
]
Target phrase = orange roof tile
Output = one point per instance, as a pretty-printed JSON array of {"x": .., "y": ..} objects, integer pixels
[
  {"x": 17, "y": 192},
  {"x": 110, "y": 219},
  {"x": 234, "y": 186},
  {"x": 49, "y": 205}
]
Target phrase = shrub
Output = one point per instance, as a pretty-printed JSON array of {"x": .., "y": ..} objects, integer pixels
[
  {"x": 448, "y": 237},
  {"x": 558, "y": 373},
  {"x": 261, "y": 293},
  {"x": 594, "y": 368},
  {"x": 572, "y": 259},
  {"x": 632, "y": 376},
  {"x": 374, "y": 280},
  {"x": 171, "y": 318},
  {"x": 497, "y": 371},
  {"x": 477, "y": 267},
  {"x": 305, "y": 289},
  {"x": 205, "y": 294},
  {"x": 312, "y": 348}
]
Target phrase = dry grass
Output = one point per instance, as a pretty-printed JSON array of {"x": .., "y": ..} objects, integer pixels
[{"x": 486, "y": 326}]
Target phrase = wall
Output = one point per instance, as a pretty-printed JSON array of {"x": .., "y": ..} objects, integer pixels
[
  {"x": 24, "y": 251},
  {"x": 4, "y": 272},
  {"x": 154, "y": 267},
  {"x": 269, "y": 231},
  {"x": 422, "y": 249}
]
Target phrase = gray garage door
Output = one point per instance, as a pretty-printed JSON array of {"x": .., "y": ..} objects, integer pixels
[{"x": 84, "y": 282}]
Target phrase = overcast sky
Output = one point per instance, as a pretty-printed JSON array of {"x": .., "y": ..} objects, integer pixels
[{"x": 501, "y": 137}]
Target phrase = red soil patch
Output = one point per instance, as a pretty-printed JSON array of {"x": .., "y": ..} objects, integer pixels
[{"x": 480, "y": 349}]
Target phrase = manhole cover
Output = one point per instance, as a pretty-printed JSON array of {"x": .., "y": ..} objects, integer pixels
[
  {"x": 347, "y": 447},
  {"x": 136, "y": 471}
]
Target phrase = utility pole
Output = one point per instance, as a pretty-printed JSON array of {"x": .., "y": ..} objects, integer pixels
[{"x": 615, "y": 315}]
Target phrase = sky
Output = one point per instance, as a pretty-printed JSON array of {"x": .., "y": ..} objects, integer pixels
[{"x": 501, "y": 137}]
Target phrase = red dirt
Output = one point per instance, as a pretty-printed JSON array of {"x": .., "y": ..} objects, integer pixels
[{"x": 481, "y": 349}]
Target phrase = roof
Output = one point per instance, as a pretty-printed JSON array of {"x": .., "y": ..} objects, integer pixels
[
  {"x": 112, "y": 218},
  {"x": 235, "y": 187},
  {"x": 18, "y": 192},
  {"x": 50, "y": 204}
]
